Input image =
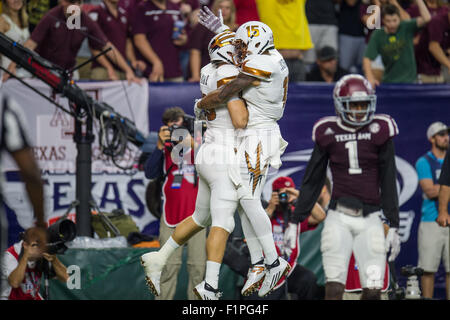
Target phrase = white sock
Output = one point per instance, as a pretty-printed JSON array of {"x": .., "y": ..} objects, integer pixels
[
  {"x": 254, "y": 247},
  {"x": 269, "y": 248},
  {"x": 212, "y": 273},
  {"x": 256, "y": 253},
  {"x": 168, "y": 248},
  {"x": 262, "y": 227}
]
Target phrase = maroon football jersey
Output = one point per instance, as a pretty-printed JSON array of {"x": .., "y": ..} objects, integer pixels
[{"x": 353, "y": 154}]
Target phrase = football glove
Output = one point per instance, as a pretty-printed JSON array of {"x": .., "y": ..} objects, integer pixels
[
  {"x": 197, "y": 111},
  {"x": 290, "y": 236},
  {"x": 392, "y": 244},
  {"x": 207, "y": 19}
]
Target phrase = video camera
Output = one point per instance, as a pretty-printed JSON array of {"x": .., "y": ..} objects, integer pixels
[{"x": 59, "y": 233}]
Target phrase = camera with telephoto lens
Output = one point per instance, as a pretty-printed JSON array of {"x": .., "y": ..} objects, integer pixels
[{"x": 59, "y": 233}]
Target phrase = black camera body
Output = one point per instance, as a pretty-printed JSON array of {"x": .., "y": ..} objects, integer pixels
[
  {"x": 283, "y": 198},
  {"x": 59, "y": 233},
  {"x": 188, "y": 124}
]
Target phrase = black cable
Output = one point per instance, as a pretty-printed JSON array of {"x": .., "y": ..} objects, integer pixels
[{"x": 87, "y": 35}]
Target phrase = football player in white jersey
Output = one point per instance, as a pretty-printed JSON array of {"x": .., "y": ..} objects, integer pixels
[
  {"x": 263, "y": 83},
  {"x": 217, "y": 197}
]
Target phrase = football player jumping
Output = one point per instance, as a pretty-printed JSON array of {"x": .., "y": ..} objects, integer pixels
[
  {"x": 262, "y": 82},
  {"x": 217, "y": 197},
  {"x": 358, "y": 145}
]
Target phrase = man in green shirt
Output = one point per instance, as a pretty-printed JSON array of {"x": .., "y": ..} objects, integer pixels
[{"x": 394, "y": 42}]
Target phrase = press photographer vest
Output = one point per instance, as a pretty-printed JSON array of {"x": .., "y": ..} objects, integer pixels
[
  {"x": 178, "y": 201},
  {"x": 30, "y": 286}
]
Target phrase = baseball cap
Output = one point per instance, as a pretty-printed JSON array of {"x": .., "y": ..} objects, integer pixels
[
  {"x": 326, "y": 53},
  {"x": 436, "y": 127},
  {"x": 283, "y": 182}
]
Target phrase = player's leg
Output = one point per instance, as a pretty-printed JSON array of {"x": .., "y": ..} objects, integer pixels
[
  {"x": 254, "y": 164},
  {"x": 336, "y": 246},
  {"x": 223, "y": 207},
  {"x": 196, "y": 261},
  {"x": 276, "y": 267},
  {"x": 256, "y": 272},
  {"x": 223, "y": 203},
  {"x": 168, "y": 279},
  {"x": 370, "y": 255},
  {"x": 153, "y": 262},
  {"x": 446, "y": 259},
  {"x": 254, "y": 247},
  {"x": 255, "y": 153}
]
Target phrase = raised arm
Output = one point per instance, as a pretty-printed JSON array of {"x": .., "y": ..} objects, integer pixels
[
  {"x": 425, "y": 15},
  {"x": 223, "y": 94}
]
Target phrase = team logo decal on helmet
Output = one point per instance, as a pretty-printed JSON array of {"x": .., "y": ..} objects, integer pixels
[
  {"x": 221, "y": 47},
  {"x": 253, "y": 37},
  {"x": 354, "y": 100}
]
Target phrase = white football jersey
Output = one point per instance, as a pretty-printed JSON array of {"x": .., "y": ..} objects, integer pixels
[
  {"x": 266, "y": 101},
  {"x": 218, "y": 120}
]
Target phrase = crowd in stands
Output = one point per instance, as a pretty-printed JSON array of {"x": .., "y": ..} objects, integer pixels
[{"x": 388, "y": 41}]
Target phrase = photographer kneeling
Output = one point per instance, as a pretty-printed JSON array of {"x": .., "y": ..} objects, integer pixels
[
  {"x": 23, "y": 267},
  {"x": 301, "y": 283}
]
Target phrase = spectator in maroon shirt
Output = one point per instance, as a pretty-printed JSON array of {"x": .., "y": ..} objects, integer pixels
[
  {"x": 196, "y": 9},
  {"x": 128, "y": 5},
  {"x": 153, "y": 34},
  {"x": 201, "y": 36},
  {"x": 55, "y": 42},
  {"x": 189, "y": 9},
  {"x": 246, "y": 10},
  {"x": 433, "y": 50},
  {"x": 113, "y": 20},
  {"x": 434, "y": 6}
]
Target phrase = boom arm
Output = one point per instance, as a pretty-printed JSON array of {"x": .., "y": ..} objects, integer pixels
[{"x": 59, "y": 80}]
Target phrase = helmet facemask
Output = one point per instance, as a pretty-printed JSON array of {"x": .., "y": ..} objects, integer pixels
[{"x": 356, "y": 111}]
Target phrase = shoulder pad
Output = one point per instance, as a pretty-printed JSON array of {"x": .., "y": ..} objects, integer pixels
[
  {"x": 207, "y": 78},
  {"x": 383, "y": 127},
  {"x": 258, "y": 66},
  {"x": 320, "y": 128},
  {"x": 226, "y": 73}
]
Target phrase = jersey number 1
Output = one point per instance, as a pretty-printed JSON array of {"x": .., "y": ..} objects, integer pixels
[{"x": 352, "y": 147}]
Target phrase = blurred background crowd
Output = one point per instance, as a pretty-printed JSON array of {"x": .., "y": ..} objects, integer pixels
[{"x": 162, "y": 41}]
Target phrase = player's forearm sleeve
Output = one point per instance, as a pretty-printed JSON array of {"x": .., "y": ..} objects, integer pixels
[
  {"x": 313, "y": 181},
  {"x": 388, "y": 183}
]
